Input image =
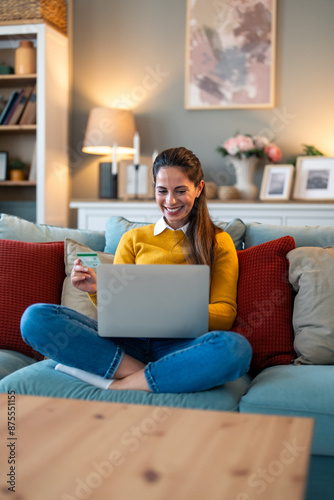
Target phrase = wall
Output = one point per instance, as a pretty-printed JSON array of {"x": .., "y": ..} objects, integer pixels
[{"x": 117, "y": 44}]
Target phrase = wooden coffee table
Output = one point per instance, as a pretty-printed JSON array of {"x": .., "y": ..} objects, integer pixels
[{"x": 63, "y": 449}]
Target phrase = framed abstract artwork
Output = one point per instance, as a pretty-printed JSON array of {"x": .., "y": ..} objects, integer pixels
[{"x": 230, "y": 54}]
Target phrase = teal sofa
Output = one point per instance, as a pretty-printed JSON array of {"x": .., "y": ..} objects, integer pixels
[{"x": 282, "y": 383}]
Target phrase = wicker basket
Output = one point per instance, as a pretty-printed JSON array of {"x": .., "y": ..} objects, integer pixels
[
  {"x": 228, "y": 193},
  {"x": 29, "y": 11}
]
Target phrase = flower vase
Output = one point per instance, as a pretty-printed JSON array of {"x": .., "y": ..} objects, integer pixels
[{"x": 244, "y": 172}]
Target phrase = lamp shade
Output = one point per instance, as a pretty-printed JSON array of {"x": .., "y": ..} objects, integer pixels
[{"x": 107, "y": 127}]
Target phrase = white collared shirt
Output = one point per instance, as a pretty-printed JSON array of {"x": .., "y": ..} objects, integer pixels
[{"x": 161, "y": 225}]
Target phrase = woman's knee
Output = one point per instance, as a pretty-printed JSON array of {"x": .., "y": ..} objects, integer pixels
[
  {"x": 240, "y": 346},
  {"x": 33, "y": 317},
  {"x": 239, "y": 350},
  {"x": 35, "y": 312}
]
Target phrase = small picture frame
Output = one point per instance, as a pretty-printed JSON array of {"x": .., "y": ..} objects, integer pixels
[
  {"x": 277, "y": 182},
  {"x": 135, "y": 184},
  {"x": 314, "y": 178},
  {"x": 3, "y": 165}
]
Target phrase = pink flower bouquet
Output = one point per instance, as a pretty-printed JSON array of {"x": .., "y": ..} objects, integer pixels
[{"x": 244, "y": 146}]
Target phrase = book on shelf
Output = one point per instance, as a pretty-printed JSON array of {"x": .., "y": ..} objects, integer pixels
[
  {"x": 16, "y": 113},
  {"x": 12, "y": 109},
  {"x": 29, "y": 113},
  {"x": 10, "y": 103}
]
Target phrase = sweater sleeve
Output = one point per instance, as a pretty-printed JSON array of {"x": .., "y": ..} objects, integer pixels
[
  {"x": 125, "y": 253},
  {"x": 93, "y": 298},
  {"x": 223, "y": 289}
]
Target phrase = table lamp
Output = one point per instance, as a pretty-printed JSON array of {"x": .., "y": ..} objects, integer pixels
[{"x": 109, "y": 131}]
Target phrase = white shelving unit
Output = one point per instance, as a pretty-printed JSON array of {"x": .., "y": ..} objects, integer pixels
[
  {"x": 93, "y": 214},
  {"x": 49, "y": 194}
]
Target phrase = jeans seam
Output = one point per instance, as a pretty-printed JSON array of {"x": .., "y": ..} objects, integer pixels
[
  {"x": 119, "y": 355},
  {"x": 150, "y": 379}
]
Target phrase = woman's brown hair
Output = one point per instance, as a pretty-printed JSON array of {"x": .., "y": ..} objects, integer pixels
[{"x": 201, "y": 232}]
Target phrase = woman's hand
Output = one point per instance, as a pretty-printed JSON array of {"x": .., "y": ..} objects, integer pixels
[{"x": 83, "y": 278}]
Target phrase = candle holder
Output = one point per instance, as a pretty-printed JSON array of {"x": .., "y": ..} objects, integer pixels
[{"x": 136, "y": 190}]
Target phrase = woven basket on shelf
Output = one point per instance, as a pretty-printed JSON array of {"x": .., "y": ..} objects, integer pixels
[
  {"x": 28, "y": 11},
  {"x": 228, "y": 193}
]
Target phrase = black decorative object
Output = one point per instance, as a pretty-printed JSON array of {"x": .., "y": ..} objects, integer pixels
[
  {"x": 108, "y": 181},
  {"x": 136, "y": 181}
]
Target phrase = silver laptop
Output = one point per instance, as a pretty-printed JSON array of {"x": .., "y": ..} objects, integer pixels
[{"x": 152, "y": 301}]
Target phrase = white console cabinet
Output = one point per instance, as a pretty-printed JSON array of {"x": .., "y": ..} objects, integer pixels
[{"x": 93, "y": 214}]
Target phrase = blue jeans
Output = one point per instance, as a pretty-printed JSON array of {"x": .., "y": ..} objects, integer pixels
[{"x": 176, "y": 366}]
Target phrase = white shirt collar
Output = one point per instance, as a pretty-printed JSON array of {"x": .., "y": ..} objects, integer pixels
[{"x": 161, "y": 225}]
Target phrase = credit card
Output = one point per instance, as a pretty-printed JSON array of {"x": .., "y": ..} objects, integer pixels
[{"x": 89, "y": 259}]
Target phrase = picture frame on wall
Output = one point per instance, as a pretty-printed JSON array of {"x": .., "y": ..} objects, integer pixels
[
  {"x": 230, "y": 54},
  {"x": 314, "y": 178},
  {"x": 277, "y": 182},
  {"x": 3, "y": 165},
  {"x": 134, "y": 184}
]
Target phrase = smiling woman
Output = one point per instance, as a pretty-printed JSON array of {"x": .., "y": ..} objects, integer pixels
[
  {"x": 181, "y": 195},
  {"x": 175, "y": 195},
  {"x": 183, "y": 235}
]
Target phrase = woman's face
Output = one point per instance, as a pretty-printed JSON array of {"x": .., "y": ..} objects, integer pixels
[{"x": 175, "y": 194}]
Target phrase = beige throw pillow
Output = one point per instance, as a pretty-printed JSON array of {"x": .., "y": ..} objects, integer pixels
[
  {"x": 311, "y": 273},
  {"x": 71, "y": 296}
]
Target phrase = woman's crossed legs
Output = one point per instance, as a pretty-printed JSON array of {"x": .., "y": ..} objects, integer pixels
[{"x": 156, "y": 365}]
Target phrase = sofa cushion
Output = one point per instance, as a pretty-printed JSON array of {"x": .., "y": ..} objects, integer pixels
[
  {"x": 297, "y": 390},
  {"x": 29, "y": 273},
  {"x": 41, "y": 379},
  {"x": 236, "y": 229},
  {"x": 10, "y": 361},
  {"x": 71, "y": 296},
  {"x": 311, "y": 273},
  {"x": 264, "y": 299},
  {"x": 320, "y": 480},
  {"x": 117, "y": 226},
  {"x": 304, "y": 236},
  {"x": 15, "y": 228}
]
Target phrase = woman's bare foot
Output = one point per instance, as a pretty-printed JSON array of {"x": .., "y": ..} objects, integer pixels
[
  {"x": 130, "y": 375},
  {"x": 127, "y": 367},
  {"x": 135, "y": 381}
]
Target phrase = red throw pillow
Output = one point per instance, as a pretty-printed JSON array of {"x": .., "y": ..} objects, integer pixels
[
  {"x": 29, "y": 273},
  {"x": 265, "y": 303}
]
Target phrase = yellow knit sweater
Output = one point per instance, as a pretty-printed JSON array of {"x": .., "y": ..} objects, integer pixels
[{"x": 140, "y": 246}]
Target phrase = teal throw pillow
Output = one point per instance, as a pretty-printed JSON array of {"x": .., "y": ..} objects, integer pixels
[{"x": 304, "y": 236}]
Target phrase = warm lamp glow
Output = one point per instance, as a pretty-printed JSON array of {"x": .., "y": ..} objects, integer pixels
[
  {"x": 107, "y": 150},
  {"x": 107, "y": 127}
]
